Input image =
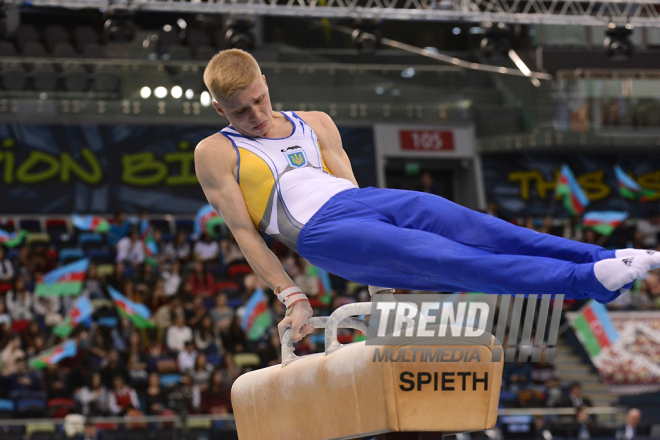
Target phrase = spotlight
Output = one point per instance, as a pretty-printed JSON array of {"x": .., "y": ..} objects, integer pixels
[
  {"x": 145, "y": 92},
  {"x": 618, "y": 44},
  {"x": 119, "y": 27},
  {"x": 367, "y": 37},
  {"x": 495, "y": 42},
  {"x": 239, "y": 34},
  {"x": 176, "y": 92},
  {"x": 160, "y": 92},
  {"x": 190, "y": 94},
  {"x": 205, "y": 99}
]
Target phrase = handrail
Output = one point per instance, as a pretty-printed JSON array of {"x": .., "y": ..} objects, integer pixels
[
  {"x": 606, "y": 410},
  {"x": 308, "y": 67}
]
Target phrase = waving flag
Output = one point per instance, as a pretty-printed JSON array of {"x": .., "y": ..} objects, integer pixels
[
  {"x": 12, "y": 239},
  {"x": 81, "y": 312},
  {"x": 206, "y": 220},
  {"x": 325, "y": 288},
  {"x": 139, "y": 314},
  {"x": 54, "y": 355},
  {"x": 150, "y": 246},
  {"x": 594, "y": 328},
  {"x": 575, "y": 200},
  {"x": 631, "y": 189},
  {"x": 604, "y": 222},
  {"x": 256, "y": 318},
  {"x": 90, "y": 223},
  {"x": 65, "y": 280}
]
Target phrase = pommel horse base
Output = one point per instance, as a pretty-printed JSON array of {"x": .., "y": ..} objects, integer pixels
[{"x": 344, "y": 394}]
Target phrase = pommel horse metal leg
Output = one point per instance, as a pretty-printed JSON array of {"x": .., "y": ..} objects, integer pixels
[{"x": 350, "y": 392}]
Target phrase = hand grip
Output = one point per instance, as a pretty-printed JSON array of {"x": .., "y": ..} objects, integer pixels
[{"x": 342, "y": 317}]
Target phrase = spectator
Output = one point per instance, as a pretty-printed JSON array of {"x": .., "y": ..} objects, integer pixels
[
  {"x": 93, "y": 287},
  {"x": 650, "y": 292},
  {"x": 585, "y": 426},
  {"x": 159, "y": 362},
  {"x": 178, "y": 250},
  {"x": 201, "y": 282},
  {"x": 629, "y": 430},
  {"x": 6, "y": 268},
  {"x": 216, "y": 398},
  {"x": 195, "y": 312},
  {"x": 19, "y": 304},
  {"x": 205, "y": 337},
  {"x": 649, "y": 230},
  {"x": 543, "y": 371},
  {"x": 122, "y": 398},
  {"x": 155, "y": 398},
  {"x": 130, "y": 249},
  {"x": 178, "y": 335},
  {"x": 118, "y": 228},
  {"x": 167, "y": 312},
  {"x": 426, "y": 184},
  {"x": 118, "y": 277},
  {"x": 233, "y": 337},
  {"x": 574, "y": 397},
  {"x": 201, "y": 372},
  {"x": 11, "y": 355},
  {"x": 221, "y": 313},
  {"x": 47, "y": 309},
  {"x": 90, "y": 432},
  {"x": 541, "y": 428},
  {"x": 56, "y": 382},
  {"x": 206, "y": 250},
  {"x": 24, "y": 266},
  {"x": 517, "y": 375},
  {"x": 93, "y": 397},
  {"x": 137, "y": 363},
  {"x": 172, "y": 278},
  {"x": 112, "y": 369},
  {"x": 493, "y": 209},
  {"x": 186, "y": 357},
  {"x": 5, "y": 318},
  {"x": 30, "y": 336},
  {"x": 231, "y": 252}
]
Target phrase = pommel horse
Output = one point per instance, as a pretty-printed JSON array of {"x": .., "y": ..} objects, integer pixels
[{"x": 347, "y": 393}]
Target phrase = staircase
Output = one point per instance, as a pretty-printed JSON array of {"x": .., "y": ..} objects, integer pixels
[{"x": 571, "y": 368}]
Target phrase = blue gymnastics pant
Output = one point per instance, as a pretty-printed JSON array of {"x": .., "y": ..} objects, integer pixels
[{"x": 418, "y": 241}]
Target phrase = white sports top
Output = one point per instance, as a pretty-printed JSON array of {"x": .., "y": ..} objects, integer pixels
[{"x": 284, "y": 181}]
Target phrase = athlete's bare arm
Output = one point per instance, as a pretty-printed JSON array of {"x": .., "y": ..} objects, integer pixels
[
  {"x": 215, "y": 160},
  {"x": 334, "y": 155}
]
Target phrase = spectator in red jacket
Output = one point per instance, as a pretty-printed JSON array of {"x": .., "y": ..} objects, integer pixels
[{"x": 201, "y": 282}]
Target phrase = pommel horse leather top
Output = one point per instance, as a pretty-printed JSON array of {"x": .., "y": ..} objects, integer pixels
[{"x": 346, "y": 392}]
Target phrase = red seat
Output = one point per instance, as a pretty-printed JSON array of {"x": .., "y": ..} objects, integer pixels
[
  {"x": 222, "y": 285},
  {"x": 7, "y": 225},
  {"x": 56, "y": 226},
  {"x": 239, "y": 269},
  {"x": 58, "y": 408},
  {"x": 6, "y": 287},
  {"x": 20, "y": 326}
]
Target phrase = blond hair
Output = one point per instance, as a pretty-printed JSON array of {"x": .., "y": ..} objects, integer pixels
[{"x": 230, "y": 71}]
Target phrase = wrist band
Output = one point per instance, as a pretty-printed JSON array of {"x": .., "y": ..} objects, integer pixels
[{"x": 290, "y": 296}]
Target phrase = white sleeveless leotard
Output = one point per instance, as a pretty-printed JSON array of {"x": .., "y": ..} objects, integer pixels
[{"x": 284, "y": 181}]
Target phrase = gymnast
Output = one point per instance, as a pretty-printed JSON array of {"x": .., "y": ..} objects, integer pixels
[{"x": 286, "y": 174}]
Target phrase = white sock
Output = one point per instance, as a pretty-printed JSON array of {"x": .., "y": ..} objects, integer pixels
[
  {"x": 633, "y": 252},
  {"x": 614, "y": 273}
]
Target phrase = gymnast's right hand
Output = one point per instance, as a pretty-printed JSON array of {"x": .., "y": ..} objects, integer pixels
[{"x": 296, "y": 320}]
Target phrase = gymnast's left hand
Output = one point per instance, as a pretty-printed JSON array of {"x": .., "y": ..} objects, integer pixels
[{"x": 296, "y": 320}]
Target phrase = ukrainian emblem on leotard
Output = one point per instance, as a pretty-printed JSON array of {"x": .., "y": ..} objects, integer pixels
[{"x": 297, "y": 159}]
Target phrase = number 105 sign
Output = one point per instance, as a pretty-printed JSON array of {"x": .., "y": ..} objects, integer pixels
[{"x": 426, "y": 140}]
